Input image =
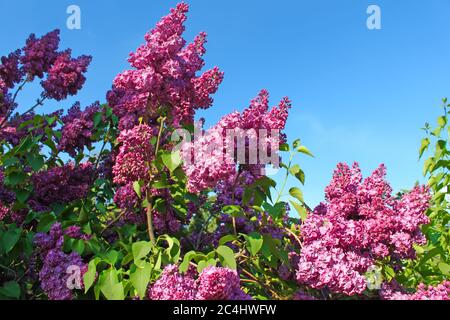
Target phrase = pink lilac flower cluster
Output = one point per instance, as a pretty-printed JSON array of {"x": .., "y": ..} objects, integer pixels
[
  {"x": 219, "y": 284},
  {"x": 61, "y": 185},
  {"x": 213, "y": 283},
  {"x": 4, "y": 211},
  {"x": 209, "y": 158},
  {"x": 163, "y": 81},
  {"x": 172, "y": 285},
  {"x": 10, "y": 72},
  {"x": 206, "y": 161},
  {"x": 39, "y": 54},
  {"x": 53, "y": 275},
  {"x": 65, "y": 75},
  {"x": 164, "y": 75},
  {"x": 393, "y": 291},
  {"x": 77, "y": 128},
  {"x": 360, "y": 223},
  {"x": 132, "y": 162}
]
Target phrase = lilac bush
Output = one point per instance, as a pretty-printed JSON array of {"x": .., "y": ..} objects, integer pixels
[{"x": 134, "y": 199}]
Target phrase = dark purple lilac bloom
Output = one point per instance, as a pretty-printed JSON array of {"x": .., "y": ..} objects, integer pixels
[
  {"x": 39, "y": 54},
  {"x": 77, "y": 129},
  {"x": 65, "y": 76}
]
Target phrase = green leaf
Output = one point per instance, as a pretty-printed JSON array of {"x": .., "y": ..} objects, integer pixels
[
  {"x": 276, "y": 211},
  {"x": 302, "y": 212},
  {"x": 78, "y": 246},
  {"x": 10, "y": 238},
  {"x": 284, "y": 147},
  {"x": 206, "y": 263},
  {"x": 46, "y": 221},
  {"x": 111, "y": 257},
  {"x": 50, "y": 120},
  {"x": 97, "y": 119},
  {"x": 140, "y": 250},
  {"x": 298, "y": 173},
  {"x": 226, "y": 256},
  {"x": 140, "y": 278},
  {"x": 233, "y": 210},
  {"x": 15, "y": 178},
  {"x": 90, "y": 275},
  {"x": 22, "y": 195},
  {"x": 389, "y": 272},
  {"x": 300, "y": 176},
  {"x": 297, "y": 194},
  {"x": 294, "y": 169},
  {"x": 84, "y": 215},
  {"x": 226, "y": 239},
  {"x": 445, "y": 268},
  {"x": 304, "y": 150},
  {"x": 10, "y": 161},
  {"x": 137, "y": 186},
  {"x": 254, "y": 243},
  {"x": 36, "y": 161},
  {"x": 296, "y": 143},
  {"x": 272, "y": 252},
  {"x": 10, "y": 289},
  {"x": 110, "y": 285},
  {"x": 184, "y": 266},
  {"x": 171, "y": 160},
  {"x": 173, "y": 249},
  {"x": 442, "y": 121},
  {"x": 24, "y": 145},
  {"x": 424, "y": 146}
]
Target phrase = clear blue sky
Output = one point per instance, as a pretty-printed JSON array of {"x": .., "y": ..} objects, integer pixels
[{"x": 358, "y": 94}]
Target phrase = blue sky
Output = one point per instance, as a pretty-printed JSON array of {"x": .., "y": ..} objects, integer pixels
[{"x": 357, "y": 94}]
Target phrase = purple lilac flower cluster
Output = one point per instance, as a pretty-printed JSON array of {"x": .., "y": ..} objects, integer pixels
[
  {"x": 65, "y": 76},
  {"x": 207, "y": 158},
  {"x": 61, "y": 185},
  {"x": 393, "y": 291},
  {"x": 213, "y": 283},
  {"x": 163, "y": 81},
  {"x": 53, "y": 275},
  {"x": 134, "y": 156},
  {"x": 39, "y": 54},
  {"x": 164, "y": 75},
  {"x": 360, "y": 223},
  {"x": 77, "y": 128}
]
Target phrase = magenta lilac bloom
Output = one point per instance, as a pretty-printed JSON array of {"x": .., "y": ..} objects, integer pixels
[
  {"x": 360, "y": 223},
  {"x": 213, "y": 283}
]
